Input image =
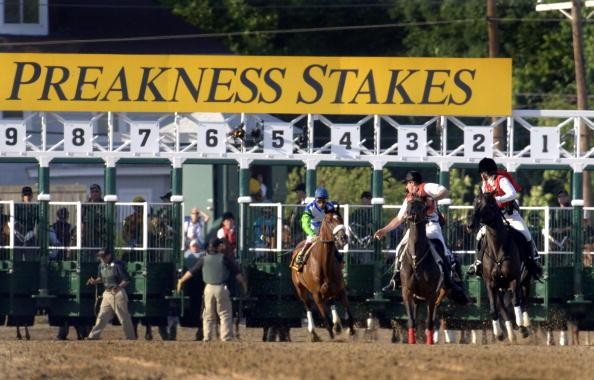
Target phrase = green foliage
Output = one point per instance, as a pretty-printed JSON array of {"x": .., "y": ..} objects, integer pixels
[
  {"x": 345, "y": 185},
  {"x": 463, "y": 187}
]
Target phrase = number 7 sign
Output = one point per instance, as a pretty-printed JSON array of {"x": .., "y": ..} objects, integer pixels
[{"x": 144, "y": 137}]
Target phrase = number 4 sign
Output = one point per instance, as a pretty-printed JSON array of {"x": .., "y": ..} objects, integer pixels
[
  {"x": 345, "y": 140},
  {"x": 144, "y": 137}
]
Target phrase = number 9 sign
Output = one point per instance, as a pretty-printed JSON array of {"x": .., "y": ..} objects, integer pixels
[
  {"x": 144, "y": 137},
  {"x": 12, "y": 137}
]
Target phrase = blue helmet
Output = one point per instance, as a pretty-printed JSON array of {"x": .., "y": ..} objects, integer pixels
[{"x": 321, "y": 192}]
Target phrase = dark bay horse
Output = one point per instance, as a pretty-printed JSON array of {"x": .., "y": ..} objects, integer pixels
[
  {"x": 502, "y": 266},
  {"x": 321, "y": 276},
  {"x": 420, "y": 275}
]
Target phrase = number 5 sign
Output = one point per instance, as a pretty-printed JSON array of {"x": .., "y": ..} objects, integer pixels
[
  {"x": 478, "y": 142},
  {"x": 278, "y": 138},
  {"x": 144, "y": 137}
]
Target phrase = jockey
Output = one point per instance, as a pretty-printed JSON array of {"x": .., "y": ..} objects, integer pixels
[
  {"x": 311, "y": 220},
  {"x": 431, "y": 192},
  {"x": 505, "y": 195}
]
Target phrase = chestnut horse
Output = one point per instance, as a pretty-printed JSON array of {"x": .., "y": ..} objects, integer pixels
[
  {"x": 421, "y": 276},
  {"x": 321, "y": 276}
]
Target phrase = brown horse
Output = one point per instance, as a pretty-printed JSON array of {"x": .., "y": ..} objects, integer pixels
[
  {"x": 502, "y": 266},
  {"x": 421, "y": 275},
  {"x": 321, "y": 276}
]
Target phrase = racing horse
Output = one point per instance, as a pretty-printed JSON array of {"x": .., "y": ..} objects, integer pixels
[
  {"x": 420, "y": 275},
  {"x": 321, "y": 276},
  {"x": 502, "y": 266}
]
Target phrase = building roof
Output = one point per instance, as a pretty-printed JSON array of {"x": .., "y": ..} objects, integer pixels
[{"x": 73, "y": 20}]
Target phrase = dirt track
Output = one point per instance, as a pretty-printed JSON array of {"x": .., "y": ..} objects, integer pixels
[{"x": 43, "y": 357}]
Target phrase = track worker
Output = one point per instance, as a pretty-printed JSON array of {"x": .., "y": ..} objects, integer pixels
[
  {"x": 216, "y": 268},
  {"x": 430, "y": 193},
  {"x": 506, "y": 190},
  {"x": 114, "y": 278}
]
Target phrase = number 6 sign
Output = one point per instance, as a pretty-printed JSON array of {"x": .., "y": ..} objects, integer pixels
[
  {"x": 212, "y": 138},
  {"x": 144, "y": 137}
]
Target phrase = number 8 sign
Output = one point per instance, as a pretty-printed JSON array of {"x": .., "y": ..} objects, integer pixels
[
  {"x": 144, "y": 137},
  {"x": 78, "y": 137}
]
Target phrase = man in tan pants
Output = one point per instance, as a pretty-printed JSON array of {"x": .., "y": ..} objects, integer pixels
[
  {"x": 114, "y": 278},
  {"x": 216, "y": 268}
]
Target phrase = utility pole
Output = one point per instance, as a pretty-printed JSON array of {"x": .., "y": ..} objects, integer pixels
[
  {"x": 580, "y": 83},
  {"x": 498, "y": 132}
]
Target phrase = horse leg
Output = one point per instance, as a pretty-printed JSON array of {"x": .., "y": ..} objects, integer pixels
[
  {"x": 344, "y": 300},
  {"x": 148, "y": 335},
  {"x": 519, "y": 302},
  {"x": 27, "y": 336},
  {"x": 504, "y": 311},
  {"x": 497, "y": 332},
  {"x": 430, "y": 321},
  {"x": 321, "y": 307},
  {"x": 336, "y": 323},
  {"x": 19, "y": 336},
  {"x": 411, "y": 313}
]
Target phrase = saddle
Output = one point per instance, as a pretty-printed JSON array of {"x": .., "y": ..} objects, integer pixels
[{"x": 293, "y": 266}]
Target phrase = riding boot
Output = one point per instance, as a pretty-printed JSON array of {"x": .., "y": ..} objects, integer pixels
[
  {"x": 300, "y": 259},
  {"x": 395, "y": 279},
  {"x": 476, "y": 267},
  {"x": 533, "y": 261},
  {"x": 455, "y": 291}
]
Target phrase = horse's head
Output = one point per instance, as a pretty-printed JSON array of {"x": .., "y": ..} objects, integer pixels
[
  {"x": 485, "y": 210},
  {"x": 333, "y": 228},
  {"x": 416, "y": 211}
]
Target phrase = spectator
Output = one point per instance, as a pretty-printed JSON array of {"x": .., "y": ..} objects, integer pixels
[
  {"x": 94, "y": 224},
  {"x": 114, "y": 278},
  {"x": 263, "y": 188},
  {"x": 60, "y": 235},
  {"x": 26, "y": 217},
  {"x": 227, "y": 231},
  {"x": 194, "y": 290},
  {"x": 587, "y": 255},
  {"x": 301, "y": 195},
  {"x": 216, "y": 269},
  {"x": 563, "y": 198},
  {"x": 294, "y": 231},
  {"x": 561, "y": 221},
  {"x": 254, "y": 189},
  {"x": 133, "y": 224},
  {"x": 194, "y": 228},
  {"x": 362, "y": 223}
]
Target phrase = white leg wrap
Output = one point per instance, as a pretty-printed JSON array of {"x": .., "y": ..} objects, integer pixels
[
  {"x": 526, "y": 319},
  {"x": 550, "y": 338},
  {"x": 510, "y": 330},
  {"x": 497, "y": 328},
  {"x": 447, "y": 336},
  {"x": 473, "y": 338},
  {"x": 563, "y": 338},
  {"x": 436, "y": 336},
  {"x": 335, "y": 317},
  {"x": 518, "y": 313},
  {"x": 310, "y": 322}
]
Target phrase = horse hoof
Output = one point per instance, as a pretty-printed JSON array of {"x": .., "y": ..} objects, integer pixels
[
  {"x": 315, "y": 338},
  {"x": 337, "y": 328},
  {"x": 500, "y": 337},
  {"x": 524, "y": 331}
]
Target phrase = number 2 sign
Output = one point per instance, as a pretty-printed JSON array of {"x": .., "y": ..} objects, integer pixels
[{"x": 478, "y": 142}]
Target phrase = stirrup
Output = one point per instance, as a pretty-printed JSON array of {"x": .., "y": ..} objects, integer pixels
[
  {"x": 390, "y": 287},
  {"x": 473, "y": 269}
]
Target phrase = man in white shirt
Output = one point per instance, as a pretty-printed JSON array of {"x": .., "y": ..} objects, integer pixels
[{"x": 193, "y": 228}]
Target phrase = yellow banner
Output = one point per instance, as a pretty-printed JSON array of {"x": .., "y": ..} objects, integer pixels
[{"x": 255, "y": 84}]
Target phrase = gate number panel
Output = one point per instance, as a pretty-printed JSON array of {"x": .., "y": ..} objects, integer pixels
[
  {"x": 78, "y": 137},
  {"x": 278, "y": 139},
  {"x": 478, "y": 142},
  {"x": 12, "y": 137},
  {"x": 212, "y": 138},
  {"x": 345, "y": 140},
  {"x": 412, "y": 141},
  {"x": 144, "y": 137},
  {"x": 544, "y": 143}
]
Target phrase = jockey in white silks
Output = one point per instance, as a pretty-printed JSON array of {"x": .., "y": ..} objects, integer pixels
[
  {"x": 431, "y": 193},
  {"x": 500, "y": 183}
]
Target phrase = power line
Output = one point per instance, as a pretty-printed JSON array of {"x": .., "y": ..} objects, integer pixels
[{"x": 265, "y": 32}]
